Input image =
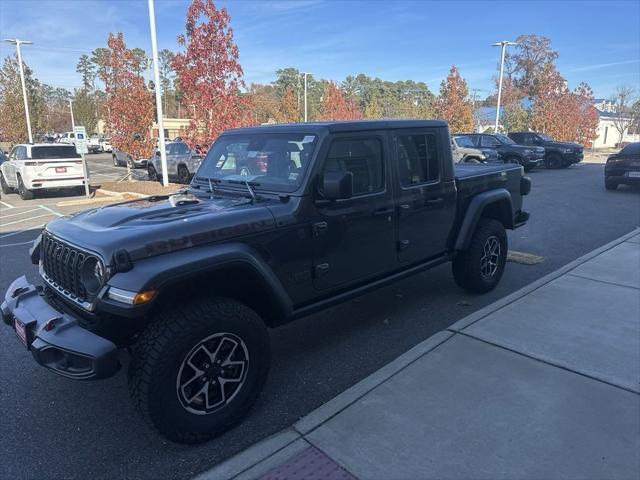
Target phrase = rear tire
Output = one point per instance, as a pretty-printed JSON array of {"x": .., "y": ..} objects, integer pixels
[
  {"x": 480, "y": 267},
  {"x": 196, "y": 370},
  {"x": 608, "y": 184},
  {"x": 24, "y": 193}
]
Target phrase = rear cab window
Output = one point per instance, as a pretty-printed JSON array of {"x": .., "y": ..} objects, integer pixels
[{"x": 418, "y": 161}]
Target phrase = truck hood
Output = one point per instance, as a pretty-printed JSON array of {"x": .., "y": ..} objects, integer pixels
[{"x": 155, "y": 225}]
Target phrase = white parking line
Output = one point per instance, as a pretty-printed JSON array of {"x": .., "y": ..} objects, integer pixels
[
  {"x": 8, "y": 205},
  {"x": 28, "y": 242},
  {"x": 25, "y": 219},
  {"x": 22, "y": 231},
  {"x": 50, "y": 210},
  {"x": 19, "y": 213}
]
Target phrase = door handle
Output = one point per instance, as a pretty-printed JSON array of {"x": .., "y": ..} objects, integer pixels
[
  {"x": 383, "y": 212},
  {"x": 405, "y": 206},
  {"x": 435, "y": 201}
]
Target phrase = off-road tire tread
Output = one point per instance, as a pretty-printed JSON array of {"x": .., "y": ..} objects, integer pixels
[
  {"x": 172, "y": 326},
  {"x": 465, "y": 262},
  {"x": 6, "y": 189}
]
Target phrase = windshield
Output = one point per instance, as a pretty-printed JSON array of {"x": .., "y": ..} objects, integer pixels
[
  {"x": 464, "y": 142},
  {"x": 270, "y": 161},
  {"x": 546, "y": 138},
  {"x": 503, "y": 139},
  {"x": 40, "y": 153}
]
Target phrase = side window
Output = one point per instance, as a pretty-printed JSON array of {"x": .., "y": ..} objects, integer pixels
[
  {"x": 475, "y": 139},
  {"x": 14, "y": 154},
  {"x": 181, "y": 148},
  {"x": 72, "y": 135},
  {"x": 363, "y": 158},
  {"x": 488, "y": 141},
  {"x": 417, "y": 159},
  {"x": 529, "y": 139},
  {"x": 21, "y": 154}
]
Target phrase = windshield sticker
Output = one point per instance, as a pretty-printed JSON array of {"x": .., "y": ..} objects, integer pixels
[
  {"x": 308, "y": 139},
  {"x": 293, "y": 176},
  {"x": 252, "y": 154}
]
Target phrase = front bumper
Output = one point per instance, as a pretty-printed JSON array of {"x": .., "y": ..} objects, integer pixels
[
  {"x": 533, "y": 160},
  {"x": 55, "y": 339}
]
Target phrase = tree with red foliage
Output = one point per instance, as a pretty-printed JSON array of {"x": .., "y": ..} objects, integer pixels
[
  {"x": 336, "y": 107},
  {"x": 587, "y": 115},
  {"x": 129, "y": 104},
  {"x": 209, "y": 75},
  {"x": 289, "y": 110},
  {"x": 562, "y": 114},
  {"x": 453, "y": 104}
]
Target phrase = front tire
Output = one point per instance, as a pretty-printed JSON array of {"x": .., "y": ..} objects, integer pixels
[
  {"x": 554, "y": 161},
  {"x": 183, "y": 174},
  {"x": 480, "y": 267},
  {"x": 197, "y": 370},
  {"x": 608, "y": 184},
  {"x": 6, "y": 189},
  {"x": 153, "y": 175}
]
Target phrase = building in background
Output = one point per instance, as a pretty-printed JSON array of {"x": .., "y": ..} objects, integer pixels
[{"x": 608, "y": 134}]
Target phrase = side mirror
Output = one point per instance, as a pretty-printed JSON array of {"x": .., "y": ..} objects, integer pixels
[
  {"x": 157, "y": 153},
  {"x": 337, "y": 185}
]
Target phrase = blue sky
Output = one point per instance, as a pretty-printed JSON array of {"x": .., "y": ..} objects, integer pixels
[{"x": 598, "y": 41}]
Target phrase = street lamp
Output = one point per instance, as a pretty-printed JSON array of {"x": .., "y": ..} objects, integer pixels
[
  {"x": 305, "y": 94},
  {"x": 156, "y": 79},
  {"x": 502, "y": 44},
  {"x": 17, "y": 42}
]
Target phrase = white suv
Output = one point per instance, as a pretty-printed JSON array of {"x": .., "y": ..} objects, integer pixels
[
  {"x": 41, "y": 166},
  {"x": 68, "y": 137}
]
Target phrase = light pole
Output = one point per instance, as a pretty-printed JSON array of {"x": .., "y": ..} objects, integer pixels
[
  {"x": 17, "y": 42},
  {"x": 305, "y": 94},
  {"x": 156, "y": 79},
  {"x": 73, "y": 123},
  {"x": 502, "y": 44}
]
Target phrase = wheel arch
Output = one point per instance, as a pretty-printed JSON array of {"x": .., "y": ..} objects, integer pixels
[
  {"x": 495, "y": 204},
  {"x": 233, "y": 271}
]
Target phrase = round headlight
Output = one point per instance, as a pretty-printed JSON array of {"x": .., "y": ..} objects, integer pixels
[{"x": 92, "y": 275}]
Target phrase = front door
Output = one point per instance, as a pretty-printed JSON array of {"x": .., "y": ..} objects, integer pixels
[
  {"x": 427, "y": 199},
  {"x": 354, "y": 238}
]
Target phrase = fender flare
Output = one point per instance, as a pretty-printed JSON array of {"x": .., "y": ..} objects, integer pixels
[
  {"x": 474, "y": 213},
  {"x": 163, "y": 271}
]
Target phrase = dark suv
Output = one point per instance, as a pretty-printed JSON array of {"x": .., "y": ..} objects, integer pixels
[
  {"x": 556, "y": 154},
  {"x": 508, "y": 150},
  {"x": 187, "y": 284},
  {"x": 623, "y": 167}
]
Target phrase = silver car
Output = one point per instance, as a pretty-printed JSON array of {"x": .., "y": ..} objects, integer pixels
[
  {"x": 182, "y": 163},
  {"x": 464, "y": 151}
]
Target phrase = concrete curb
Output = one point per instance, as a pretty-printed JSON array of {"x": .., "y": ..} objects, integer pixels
[{"x": 267, "y": 454}]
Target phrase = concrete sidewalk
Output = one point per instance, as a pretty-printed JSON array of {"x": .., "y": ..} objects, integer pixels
[{"x": 544, "y": 383}]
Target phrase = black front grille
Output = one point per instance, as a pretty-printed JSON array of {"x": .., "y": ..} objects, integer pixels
[{"x": 62, "y": 264}]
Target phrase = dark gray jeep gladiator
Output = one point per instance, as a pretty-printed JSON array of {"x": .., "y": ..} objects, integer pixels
[{"x": 187, "y": 284}]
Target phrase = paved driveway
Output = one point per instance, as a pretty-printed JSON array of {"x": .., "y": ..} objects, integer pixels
[{"x": 54, "y": 427}]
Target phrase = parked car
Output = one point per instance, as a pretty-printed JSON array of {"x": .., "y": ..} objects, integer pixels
[
  {"x": 3, "y": 156},
  {"x": 508, "y": 150},
  {"x": 121, "y": 159},
  {"x": 41, "y": 166},
  {"x": 105, "y": 145},
  {"x": 188, "y": 283},
  {"x": 556, "y": 154},
  {"x": 67, "y": 137},
  {"x": 464, "y": 151},
  {"x": 93, "y": 144},
  {"x": 182, "y": 163},
  {"x": 623, "y": 167}
]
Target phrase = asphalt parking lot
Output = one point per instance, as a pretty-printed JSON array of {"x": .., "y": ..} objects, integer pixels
[{"x": 53, "y": 427}]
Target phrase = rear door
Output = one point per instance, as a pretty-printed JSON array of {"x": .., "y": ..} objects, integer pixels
[
  {"x": 354, "y": 238},
  {"x": 427, "y": 200}
]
